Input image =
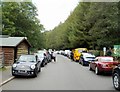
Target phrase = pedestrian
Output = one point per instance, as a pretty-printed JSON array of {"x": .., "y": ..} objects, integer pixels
[
  {"x": 109, "y": 52},
  {"x": 36, "y": 57},
  {"x": 54, "y": 56}
]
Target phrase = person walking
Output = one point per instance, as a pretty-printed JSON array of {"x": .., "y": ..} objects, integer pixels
[
  {"x": 109, "y": 52},
  {"x": 54, "y": 56}
]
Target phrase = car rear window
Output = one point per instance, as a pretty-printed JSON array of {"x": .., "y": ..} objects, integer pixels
[{"x": 106, "y": 59}]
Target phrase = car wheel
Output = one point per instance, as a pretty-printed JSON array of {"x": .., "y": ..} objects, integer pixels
[
  {"x": 74, "y": 59},
  {"x": 43, "y": 64},
  {"x": 39, "y": 69},
  {"x": 116, "y": 81},
  {"x": 97, "y": 71},
  {"x": 82, "y": 62},
  {"x": 35, "y": 73},
  {"x": 90, "y": 68},
  {"x": 13, "y": 74}
]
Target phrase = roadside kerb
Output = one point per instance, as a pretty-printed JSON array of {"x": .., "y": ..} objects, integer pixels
[
  {"x": 4, "y": 82},
  {"x": 6, "y": 75}
]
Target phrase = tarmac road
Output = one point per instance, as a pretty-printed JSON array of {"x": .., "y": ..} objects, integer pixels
[{"x": 62, "y": 75}]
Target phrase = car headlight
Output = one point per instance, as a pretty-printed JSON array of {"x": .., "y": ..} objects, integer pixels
[
  {"x": 32, "y": 66},
  {"x": 104, "y": 65},
  {"x": 14, "y": 65},
  {"x": 85, "y": 59}
]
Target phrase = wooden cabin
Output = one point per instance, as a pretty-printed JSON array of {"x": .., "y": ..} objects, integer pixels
[{"x": 12, "y": 47}]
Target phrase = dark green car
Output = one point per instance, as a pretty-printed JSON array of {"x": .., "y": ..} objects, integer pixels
[
  {"x": 116, "y": 77},
  {"x": 26, "y": 65}
]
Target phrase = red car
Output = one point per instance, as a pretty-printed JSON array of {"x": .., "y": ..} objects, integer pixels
[{"x": 103, "y": 64}]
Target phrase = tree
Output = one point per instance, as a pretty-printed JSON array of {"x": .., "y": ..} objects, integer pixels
[
  {"x": 19, "y": 19},
  {"x": 91, "y": 25}
]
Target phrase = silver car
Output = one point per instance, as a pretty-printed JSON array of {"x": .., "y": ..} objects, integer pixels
[
  {"x": 86, "y": 58},
  {"x": 26, "y": 65}
]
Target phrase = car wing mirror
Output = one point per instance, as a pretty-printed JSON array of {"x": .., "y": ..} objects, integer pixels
[
  {"x": 95, "y": 59},
  {"x": 44, "y": 54},
  {"x": 16, "y": 59}
]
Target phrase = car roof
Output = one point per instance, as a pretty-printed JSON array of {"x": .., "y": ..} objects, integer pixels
[
  {"x": 99, "y": 57},
  {"x": 81, "y": 49},
  {"x": 41, "y": 51},
  {"x": 87, "y": 54},
  {"x": 27, "y": 55},
  {"x": 104, "y": 56}
]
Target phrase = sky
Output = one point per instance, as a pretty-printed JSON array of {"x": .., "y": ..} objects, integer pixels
[{"x": 52, "y": 12}]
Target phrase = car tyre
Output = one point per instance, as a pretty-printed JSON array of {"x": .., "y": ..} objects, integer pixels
[
  {"x": 13, "y": 74},
  {"x": 39, "y": 69},
  {"x": 97, "y": 71},
  {"x": 35, "y": 73},
  {"x": 82, "y": 62},
  {"x": 43, "y": 64},
  {"x": 116, "y": 81},
  {"x": 90, "y": 68}
]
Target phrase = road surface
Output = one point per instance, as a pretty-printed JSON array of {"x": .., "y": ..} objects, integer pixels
[{"x": 62, "y": 75}]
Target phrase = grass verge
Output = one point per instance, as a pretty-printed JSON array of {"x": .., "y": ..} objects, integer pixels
[{"x": 2, "y": 69}]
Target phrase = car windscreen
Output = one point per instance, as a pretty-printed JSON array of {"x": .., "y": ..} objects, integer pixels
[
  {"x": 87, "y": 55},
  {"x": 106, "y": 59},
  {"x": 41, "y": 55},
  {"x": 27, "y": 58},
  {"x": 91, "y": 57},
  {"x": 79, "y": 51}
]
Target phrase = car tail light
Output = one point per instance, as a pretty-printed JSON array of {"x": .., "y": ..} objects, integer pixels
[{"x": 105, "y": 66}]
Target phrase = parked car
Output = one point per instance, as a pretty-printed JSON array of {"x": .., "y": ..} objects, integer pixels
[
  {"x": 103, "y": 64},
  {"x": 67, "y": 53},
  {"x": 77, "y": 53},
  {"x": 61, "y": 52},
  {"x": 26, "y": 65},
  {"x": 42, "y": 56},
  {"x": 86, "y": 58},
  {"x": 116, "y": 77}
]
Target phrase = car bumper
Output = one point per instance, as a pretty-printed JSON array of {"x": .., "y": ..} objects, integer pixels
[
  {"x": 22, "y": 73},
  {"x": 107, "y": 70},
  {"x": 86, "y": 62},
  {"x": 77, "y": 58}
]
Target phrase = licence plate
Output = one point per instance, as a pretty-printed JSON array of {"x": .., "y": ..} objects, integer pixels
[{"x": 22, "y": 71}]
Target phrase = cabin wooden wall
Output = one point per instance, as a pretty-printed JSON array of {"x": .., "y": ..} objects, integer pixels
[
  {"x": 1, "y": 57},
  {"x": 8, "y": 56},
  {"x": 12, "y": 53},
  {"x": 22, "y": 49}
]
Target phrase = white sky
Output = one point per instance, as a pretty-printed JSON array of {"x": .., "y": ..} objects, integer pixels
[{"x": 52, "y": 12}]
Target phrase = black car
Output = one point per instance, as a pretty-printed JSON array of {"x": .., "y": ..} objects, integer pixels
[
  {"x": 42, "y": 56},
  {"x": 26, "y": 65},
  {"x": 116, "y": 77}
]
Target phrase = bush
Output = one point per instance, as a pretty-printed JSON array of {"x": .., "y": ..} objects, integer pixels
[{"x": 95, "y": 52}]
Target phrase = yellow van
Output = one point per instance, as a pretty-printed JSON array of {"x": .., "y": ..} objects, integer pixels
[{"x": 77, "y": 53}]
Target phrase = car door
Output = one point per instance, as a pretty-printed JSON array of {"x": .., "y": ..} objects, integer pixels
[
  {"x": 81, "y": 58},
  {"x": 93, "y": 64},
  {"x": 37, "y": 62}
]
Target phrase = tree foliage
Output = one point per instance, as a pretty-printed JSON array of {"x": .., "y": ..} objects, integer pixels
[
  {"x": 19, "y": 19},
  {"x": 91, "y": 25}
]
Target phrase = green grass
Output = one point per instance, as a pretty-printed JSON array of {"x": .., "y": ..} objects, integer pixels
[{"x": 2, "y": 69}]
